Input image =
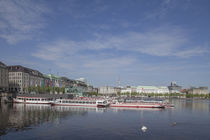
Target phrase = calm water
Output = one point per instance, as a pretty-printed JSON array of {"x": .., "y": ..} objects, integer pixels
[{"x": 192, "y": 117}]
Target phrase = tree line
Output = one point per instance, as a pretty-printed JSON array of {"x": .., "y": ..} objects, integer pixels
[{"x": 44, "y": 89}]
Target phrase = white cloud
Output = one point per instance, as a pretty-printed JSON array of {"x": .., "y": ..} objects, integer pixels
[
  {"x": 19, "y": 19},
  {"x": 107, "y": 56},
  {"x": 159, "y": 42}
]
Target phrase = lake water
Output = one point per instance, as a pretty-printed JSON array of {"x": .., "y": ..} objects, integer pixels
[{"x": 189, "y": 120}]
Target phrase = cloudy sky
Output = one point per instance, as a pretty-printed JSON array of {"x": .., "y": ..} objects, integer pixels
[{"x": 144, "y": 42}]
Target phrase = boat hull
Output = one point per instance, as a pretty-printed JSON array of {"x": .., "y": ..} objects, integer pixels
[
  {"x": 85, "y": 103},
  {"x": 24, "y": 100}
]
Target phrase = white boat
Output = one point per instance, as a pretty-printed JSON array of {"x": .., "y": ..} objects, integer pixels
[
  {"x": 32, "y": 100},
  {"x": 81, "y": 102}
]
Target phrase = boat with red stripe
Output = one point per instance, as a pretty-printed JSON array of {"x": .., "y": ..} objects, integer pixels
[
  {"x": 138, "y": 104},
  {"x": 32, "y": 100},
  {"x": 81, "y": 102}
]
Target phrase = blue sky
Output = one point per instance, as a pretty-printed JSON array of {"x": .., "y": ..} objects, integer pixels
[{"x": 143, "y": 42}]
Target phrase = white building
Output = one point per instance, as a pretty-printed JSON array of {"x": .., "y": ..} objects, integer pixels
[
  {"x": 128, "y": 90},
  {"x": 108, "y": 90},
  {"x": 152, "y": 89},
  {"x": 20, "y": 78}
]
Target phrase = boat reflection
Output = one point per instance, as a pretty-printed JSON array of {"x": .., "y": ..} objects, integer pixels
[
  {"x": 18, "y": 117},
  {"x": 79, "y": 108},
  {"x": 116, "y": 109}
]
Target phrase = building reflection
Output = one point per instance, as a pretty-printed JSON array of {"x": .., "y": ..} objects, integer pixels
[
  {"x": 17, "y": 117},
  {"x": 201, "y": 105},
  {"x": 192, "y": 105}
]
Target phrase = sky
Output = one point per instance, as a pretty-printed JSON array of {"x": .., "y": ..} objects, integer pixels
[{"x": 140, "y": 42}]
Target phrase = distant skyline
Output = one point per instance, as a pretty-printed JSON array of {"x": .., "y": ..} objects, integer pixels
[{"x": 144, "y": 42}]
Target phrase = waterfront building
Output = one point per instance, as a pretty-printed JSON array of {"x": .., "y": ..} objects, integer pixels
[
  {"x": 108, "y": 90},
  {"x": 66, "y": 82},
  {"x": 152, "y": 89},
  {"x": 20, "y": 78},
  {"x": 46, "y": 81},
  {"x": 200, "y": 90},
  {"x": 77, "y": 88},
  {"x": 128, "y": 89},
  {"x": 174, "y": 88},
  {"x": 90, "y": 88},
  {"x": 55, "y": 81},
  {"x": 4, "y": 83}
]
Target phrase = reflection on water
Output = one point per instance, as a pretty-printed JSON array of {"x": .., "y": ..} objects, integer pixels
[
  {"x": 190, "y": 119},
  {"x": 15, "y": 117},
  {"x": 192, "y": 105},
  {"x": 119, "y": 109}
]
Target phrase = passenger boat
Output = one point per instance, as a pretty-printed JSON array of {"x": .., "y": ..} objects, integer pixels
[
  {"x": 32, "y": 100},
  {"x": 81, "y": 102},
  {"x": 138, "y": 104}
]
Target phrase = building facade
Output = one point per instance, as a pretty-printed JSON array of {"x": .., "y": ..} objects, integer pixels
[
  {"x": 174, "y": 88},
  {"x": 4, "y": 82},
  {"x": 200, "y": 90},
  {"x": 152, "y": 89},
  {"x": 54, "y": 81},
  {"x": 108, "y": 90},
  {"x": 67, "y": 83},
  {"x": 128, "y": 89},
  {"x": 21, "y": 78}
]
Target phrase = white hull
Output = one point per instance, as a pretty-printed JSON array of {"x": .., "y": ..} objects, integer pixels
[
  {"x": 84, "y": 103},
  {"x": 31, "y": 100}
]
